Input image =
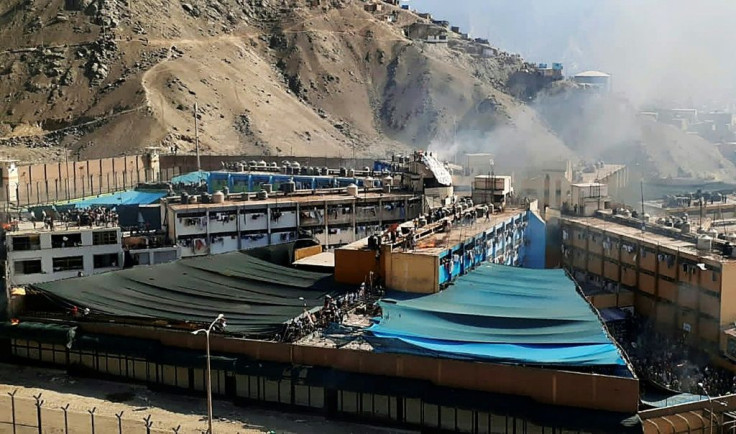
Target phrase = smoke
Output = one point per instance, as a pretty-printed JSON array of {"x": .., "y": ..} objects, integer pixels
[{"x": 677, "y": 52}]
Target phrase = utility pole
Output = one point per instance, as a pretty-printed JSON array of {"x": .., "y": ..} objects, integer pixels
[{"x": 196, "y": 134}]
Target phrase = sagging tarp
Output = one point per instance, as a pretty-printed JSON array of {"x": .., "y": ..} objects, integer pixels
[
  {"x": 191, "y": 178},
  {"x": 37, "y": 331},
  {"x": 121, "y": 198},
  {"x": 256, "y": 297},
  {"x": 499, "y": 313}
]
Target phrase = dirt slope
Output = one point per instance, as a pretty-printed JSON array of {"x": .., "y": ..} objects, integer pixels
[{"x": 105, "y": 77}]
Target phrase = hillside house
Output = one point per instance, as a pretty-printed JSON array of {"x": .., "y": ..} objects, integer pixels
[
  {"x": 426, "y": 32},
  {"x": 373, "y": 7}
]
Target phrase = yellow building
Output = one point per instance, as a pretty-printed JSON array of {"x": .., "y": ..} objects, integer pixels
[{"x": 681, "y": 287}]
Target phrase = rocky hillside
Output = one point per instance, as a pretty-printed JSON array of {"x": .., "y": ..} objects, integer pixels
[
  {"x": 105, "y": 77},
  {"x": 92, "y": 78}
]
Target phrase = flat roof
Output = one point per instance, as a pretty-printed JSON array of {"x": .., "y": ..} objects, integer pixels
[
  {"x": 434, "y": 243},
  {"x": 324, "y": 259},
  {"x": 438, "y": 242},
  {"x": 294, "y": 199},
  {"x": 601, "y": 173},
  {"x": 26, "y": 228},
  {"x": 647, "y": 236},
  {"x": 592, "y": 74}
]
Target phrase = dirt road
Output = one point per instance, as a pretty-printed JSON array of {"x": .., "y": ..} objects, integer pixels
[{"x": 166, "y": 410}]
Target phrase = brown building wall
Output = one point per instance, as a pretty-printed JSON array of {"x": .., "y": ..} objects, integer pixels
[
  {"x": 611, "y": 271},
  {"x": 667, "y": 290},
  {"x": 352, "y": 266},
  {"x": 412, "y": 273},
  {"x": 728, "y": 293},
  {"x": 544, "y": 385},
  {"x": 647, "y": 283},
  {"x": 648, "y": 259}
]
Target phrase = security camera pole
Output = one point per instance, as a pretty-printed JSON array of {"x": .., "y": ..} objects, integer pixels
[{"x": 220, "y": 320}]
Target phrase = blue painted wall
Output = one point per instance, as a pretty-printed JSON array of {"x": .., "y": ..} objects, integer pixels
[
  {"x": 520, "y": 240},
  {"x": 537, "y": 234}
]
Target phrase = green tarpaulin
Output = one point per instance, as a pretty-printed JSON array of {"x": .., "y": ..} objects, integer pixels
[{"x": 256, "y": 297}]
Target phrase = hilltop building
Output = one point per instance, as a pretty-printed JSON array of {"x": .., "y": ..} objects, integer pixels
[{"x": 594, "y": 79}]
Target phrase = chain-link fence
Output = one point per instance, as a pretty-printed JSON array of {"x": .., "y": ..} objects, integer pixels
[{"x": 32, "y": 415}]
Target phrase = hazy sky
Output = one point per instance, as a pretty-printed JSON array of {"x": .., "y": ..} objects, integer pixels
[{"x": 680, "y": 50}]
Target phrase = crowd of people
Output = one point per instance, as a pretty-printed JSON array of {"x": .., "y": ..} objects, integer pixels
[
  {"x": 92, "y": 217},
  {"x": 667, "y": 360},
  {"x": 333, "y": 310}
]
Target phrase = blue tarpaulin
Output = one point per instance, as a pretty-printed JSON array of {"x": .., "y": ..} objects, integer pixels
[
  {"x": 121, "y": 198},
  {"x": 499, "y": 313},
  {"x": 191, "y": 178}
]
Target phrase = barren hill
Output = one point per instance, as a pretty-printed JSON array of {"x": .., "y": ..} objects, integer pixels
[
  {"x": 92, "y": 78},
  {"x": 105, "y": 77}
]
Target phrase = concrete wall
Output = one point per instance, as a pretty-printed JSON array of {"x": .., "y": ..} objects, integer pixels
[
  {"x": 46, "y": 254},
  {"x": 53, "y": 182},
  {"x": 549, "y": 386},
  {"x": 411, "y": 272}
]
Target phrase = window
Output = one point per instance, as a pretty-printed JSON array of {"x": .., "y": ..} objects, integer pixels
[
  {"x": 104, "y": 237},
  {"x": 30, "y": 242},
  {"x": 66, "y": 240},
  {"x": 30, "y": 266},
  {"x": 68, "y": 263},
  {"x": 106, "y": 260}
]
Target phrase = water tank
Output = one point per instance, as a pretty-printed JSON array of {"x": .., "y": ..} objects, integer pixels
[
  {"x": 226, "y": 191},
  {"x": 369, "y": 182},
  {"x": 387, "y": 180},
  {"x": 184, "y": 198},
  {"x": 366, "y": 169},
  {"x": 218, "y": 197},
  {"x": 712, "y": 232},
  {"x": 343, "y": 171},
  {"x": 296, "y": 165},
  {"x": 646, "y": 217},
  {"x": 351, "y": 173},
  {"x": 268, "y": 188},
  {"x": 325, "y": 171},
  {"x": 206, "y": 198},
  {"x": 627, "y": 213},
  {"x": 262, "y": 164},
  {"x": 288, "y": 187},
  {"x": 686, "y": 228},
  {"x": 252, "y": 163},
  {"x": 704, "y": 243},
  {"x": 262, "y": 195},
  {"x": 387, "y": 188},
  {"x": 241, "y": 167},
  {"x": 193, "y": 199},
  {"x": 352, "y": 190}
]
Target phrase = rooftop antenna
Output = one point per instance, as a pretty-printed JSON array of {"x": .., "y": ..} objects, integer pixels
[{"x": 196, "y": 135}]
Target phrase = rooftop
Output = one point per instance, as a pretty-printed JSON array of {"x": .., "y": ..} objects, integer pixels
[
  {"x": 324, "y": 259},
  {"x": 235, "y": 199},
  {"x": 674, "y": 243},
  {"x": 592, "y": 74},
  {"x": 433, "y": 242},
  {"x": 601, "y": 173}
]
